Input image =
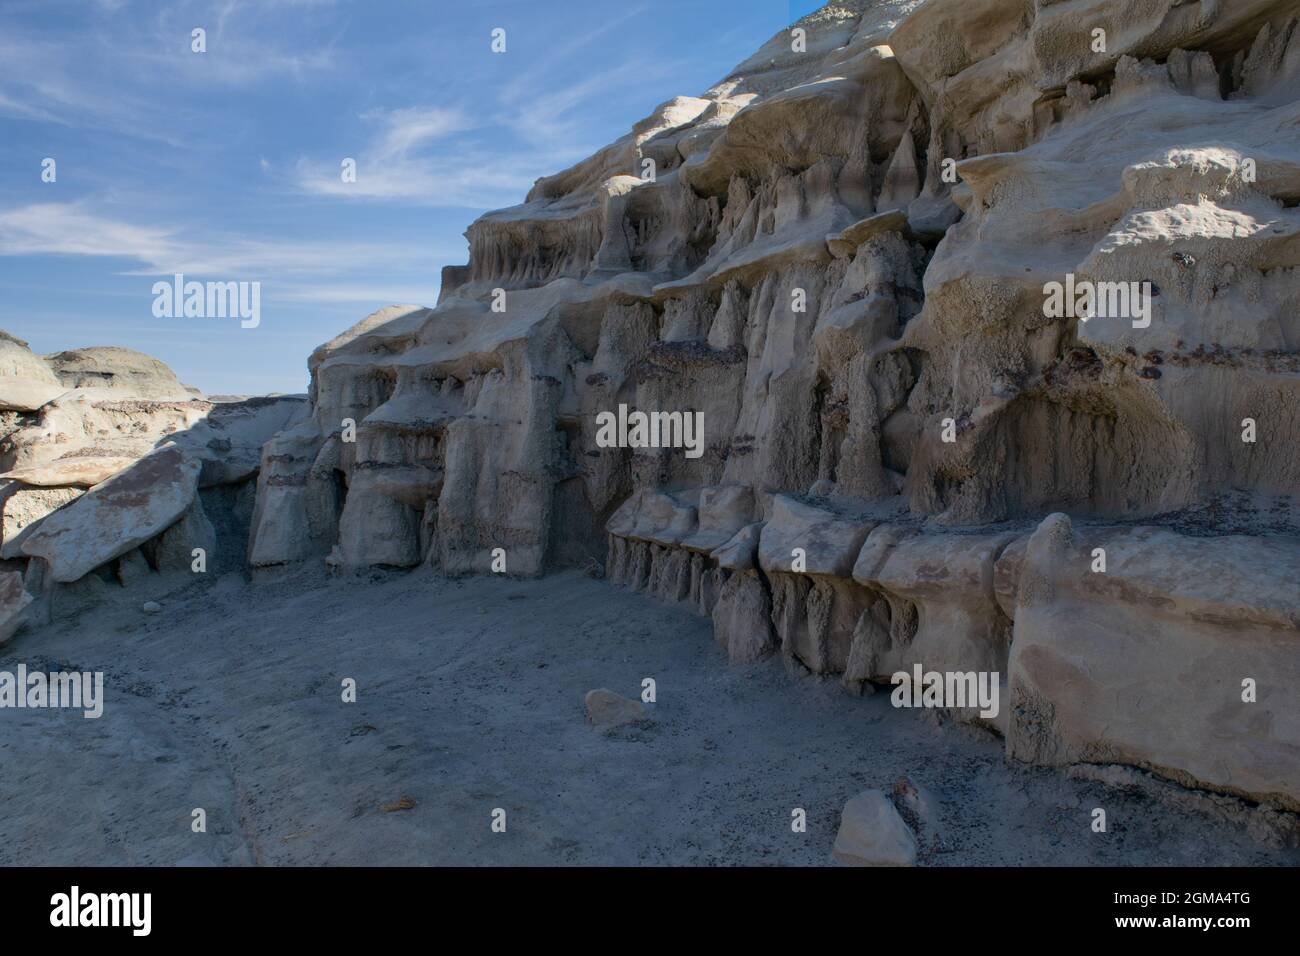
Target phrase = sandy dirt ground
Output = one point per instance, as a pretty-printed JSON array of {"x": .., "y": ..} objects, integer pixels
[{"x": 470, "y": 698}]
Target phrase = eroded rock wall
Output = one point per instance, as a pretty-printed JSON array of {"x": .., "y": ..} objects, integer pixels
[{"x": 840, "y": 257}]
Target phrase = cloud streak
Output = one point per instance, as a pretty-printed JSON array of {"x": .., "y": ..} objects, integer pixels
[
  {"x": 418, "y": 154},
  {"x": 421, "y": 154},
  {"x": 333, "y": 266},
  {"x": 128, "y": 79}
]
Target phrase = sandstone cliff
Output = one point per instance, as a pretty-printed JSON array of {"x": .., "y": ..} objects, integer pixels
[{"x": 839, "y": 255}]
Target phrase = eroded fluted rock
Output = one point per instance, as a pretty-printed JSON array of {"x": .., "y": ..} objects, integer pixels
[
  {"x": 742, "y": 619},
  {"x": 943, "y": 613},
  {"x": 841, "y": 263}
]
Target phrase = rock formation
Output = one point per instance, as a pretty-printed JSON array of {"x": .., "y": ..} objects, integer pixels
[
  {"x": 114, "y": 473},
  {"x": 841, "y": 256},
  {"x": 873, "y": 833},
  {"x": 857, "y": 259}
]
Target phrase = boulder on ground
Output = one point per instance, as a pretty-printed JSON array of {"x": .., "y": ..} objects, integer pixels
[
  {"x": 608, "y": 709},
  {"x": 873, "y": 833}
]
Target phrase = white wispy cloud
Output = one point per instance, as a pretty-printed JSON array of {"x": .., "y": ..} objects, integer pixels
[
  {"x": 408, "y": 158},
  {"x": 556, "y": 115},
  {"x": 405, "y": 129},
  {"x": 108, "y": 78},
  {"x": 245, "y": 43},
  {"x": 25, "y": 110},
  {"x": 417, "y": 154},
  {"x": 526, "y": 82},
  {"x": 50, "y": 82},
  {"x": 70, "y": 229},
  {"x": 467, "y": 180},
  {"x": 67, "y": 229}
]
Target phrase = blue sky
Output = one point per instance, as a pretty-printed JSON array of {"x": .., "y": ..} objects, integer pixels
[{"x": 225, "y": 165}]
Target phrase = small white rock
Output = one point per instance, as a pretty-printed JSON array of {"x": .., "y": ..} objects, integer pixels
[
  {"x": 872, "y": 833},
  {"x": 608, "y": 709},
  {"x": 151, "y": 607}
]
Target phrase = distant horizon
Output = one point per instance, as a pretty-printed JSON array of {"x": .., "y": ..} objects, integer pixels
[{"x": 224, "y": 163}]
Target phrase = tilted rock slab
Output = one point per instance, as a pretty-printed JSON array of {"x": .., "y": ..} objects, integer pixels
[{"x": 113, "y": 518}]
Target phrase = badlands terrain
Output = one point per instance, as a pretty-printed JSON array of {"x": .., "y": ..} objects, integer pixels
[
  {"x": 470, "y": 698},
  {"x": 848, "y": 261}
]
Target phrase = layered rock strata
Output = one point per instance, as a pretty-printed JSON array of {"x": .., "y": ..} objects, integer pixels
[{"x": 851, "y": 258}]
